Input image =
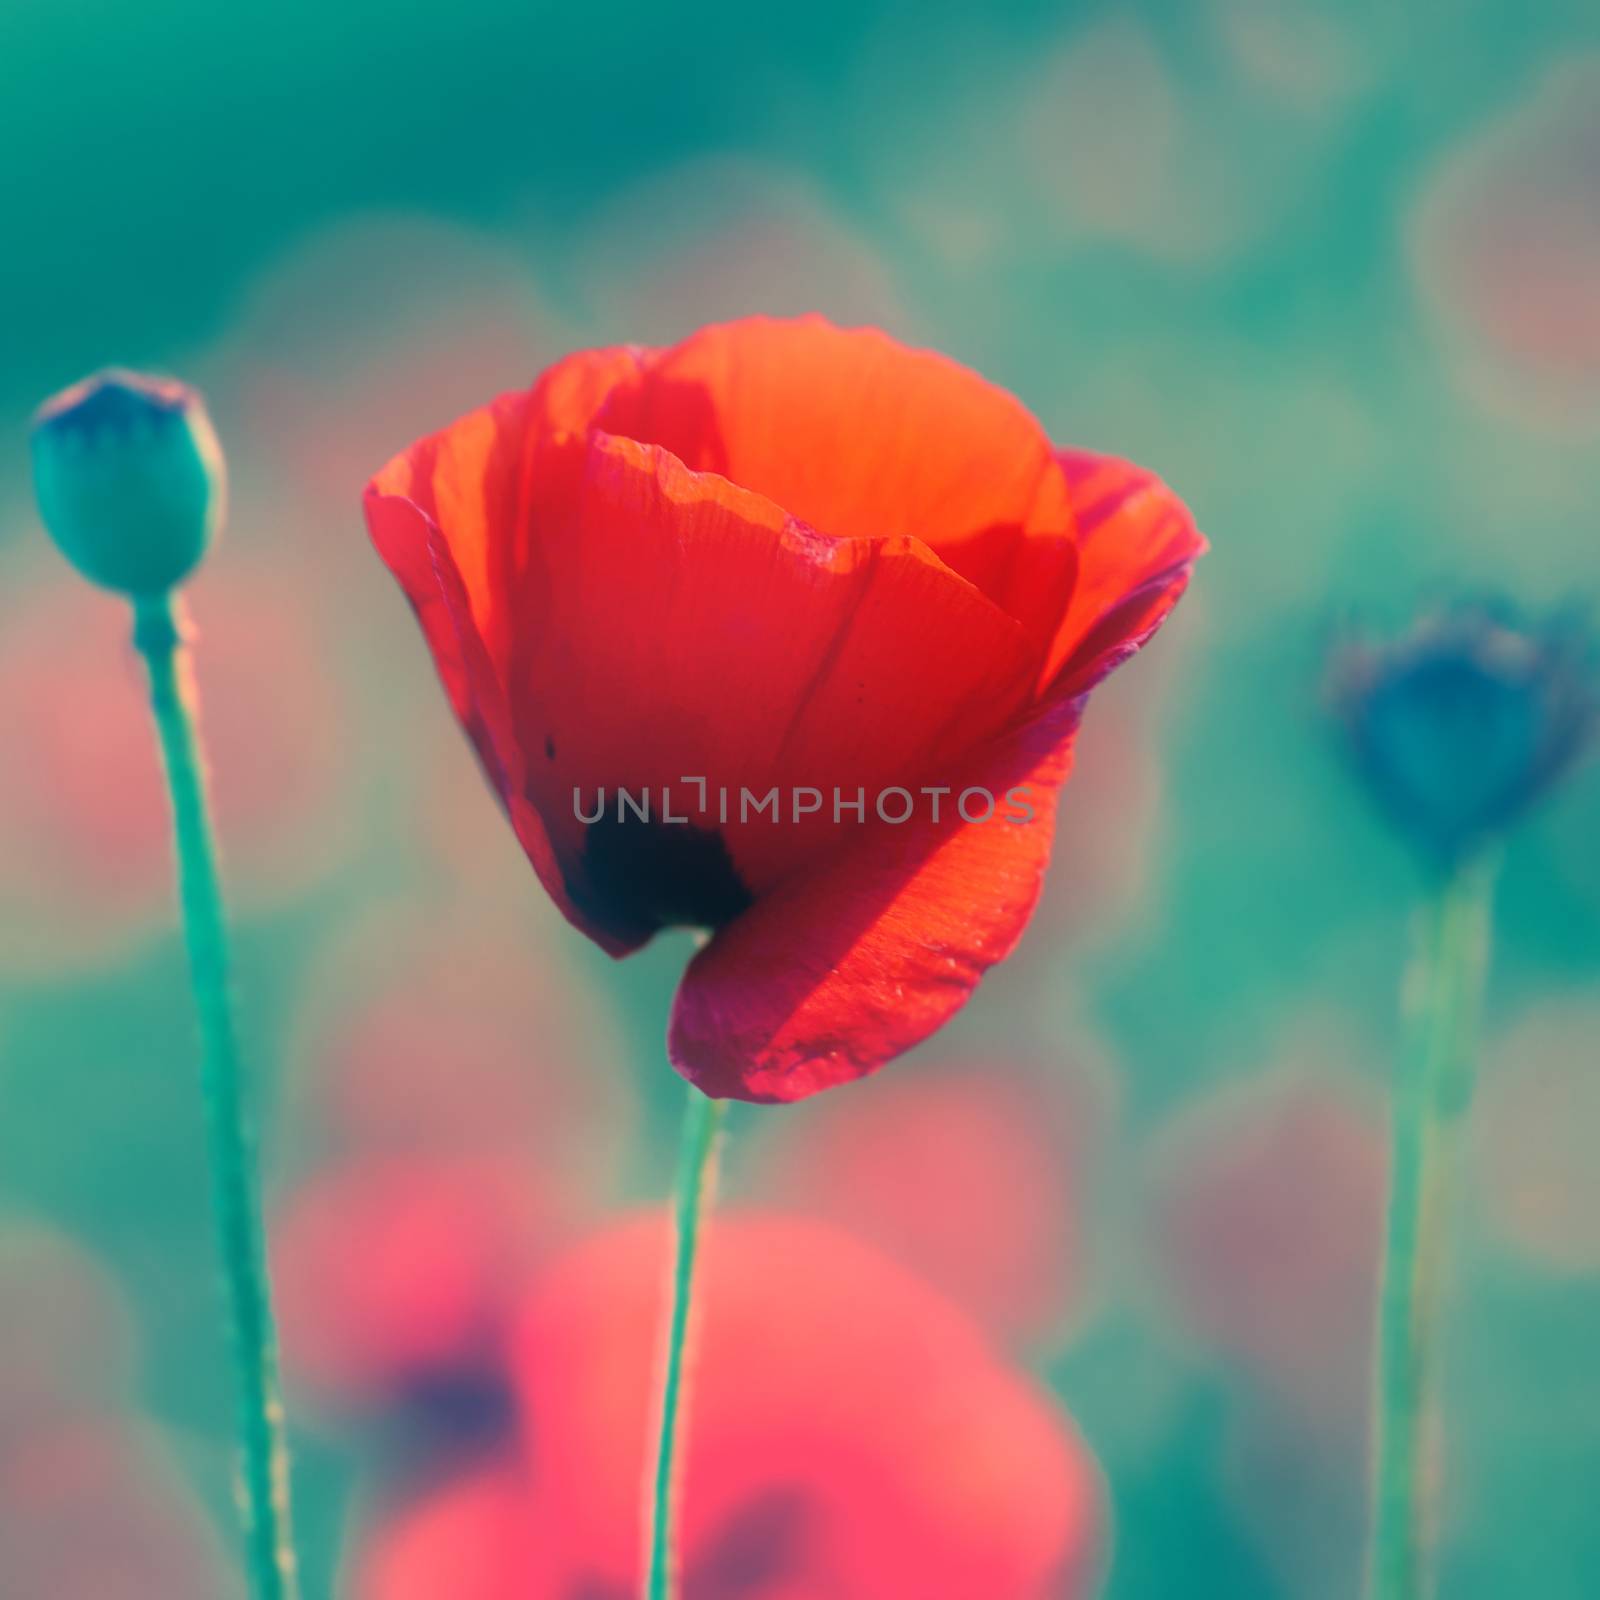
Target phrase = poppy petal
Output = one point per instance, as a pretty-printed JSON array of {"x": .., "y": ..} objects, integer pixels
[
  {"x": 1137, "y": 544},
  {"x": 419, "y": 555},
  {"x": 464, "y": 481},
  {"x": 449, "y": 519},
  {"x": 683, "y": 634},
  {"x": 862, "y": 437},
  {"x": 839, "y": 969},
  {"x": 471, "y": 482},
  {"x": 468, "y": 1539}
]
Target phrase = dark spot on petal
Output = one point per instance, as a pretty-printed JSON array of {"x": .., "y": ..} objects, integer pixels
[
  {"x": 762, "y": 1543},
  {"x": 760, "y": 1546},
  {"x": 443, "y": 1416},
  {"x": 598, "y": 1589},
  {"x": 638, "y": 876},
  {"x": 549, "y": 748}
]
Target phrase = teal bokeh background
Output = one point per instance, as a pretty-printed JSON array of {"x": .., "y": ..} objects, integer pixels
[{"x": 1330, "y": 269}]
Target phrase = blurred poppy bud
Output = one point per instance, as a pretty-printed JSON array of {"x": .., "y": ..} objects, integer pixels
[
  {"x": 1464, "y": 722},
  {"x": 129, "y": 478}
]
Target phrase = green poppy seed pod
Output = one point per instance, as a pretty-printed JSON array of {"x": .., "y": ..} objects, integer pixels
[{"x": 130, "y": 479}]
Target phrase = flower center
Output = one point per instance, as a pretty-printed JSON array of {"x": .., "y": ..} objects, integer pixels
[{"x": 639, "y": 875}]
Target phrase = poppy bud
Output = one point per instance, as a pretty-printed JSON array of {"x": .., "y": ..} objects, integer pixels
[
  {"x": 129, "y": 478},
  {"x": 1463, "y": 723}
]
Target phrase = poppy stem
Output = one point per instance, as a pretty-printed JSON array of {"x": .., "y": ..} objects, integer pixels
[
  {"x": 696, "y": 1180},
  {"x": 1444, "y": 993},
  {"x": 264, "y": 1458}
]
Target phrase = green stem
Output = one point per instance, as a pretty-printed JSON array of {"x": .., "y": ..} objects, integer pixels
[
  {"x": 691, "y": 1199},
  {"x": 1429, "y": 1103},
  {"x": 264, "y": 1463}
]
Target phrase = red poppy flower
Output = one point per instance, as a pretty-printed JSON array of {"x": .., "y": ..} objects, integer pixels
[
  {"x": 780, "y": 560},
  {"x": 884, "y": 1452}
]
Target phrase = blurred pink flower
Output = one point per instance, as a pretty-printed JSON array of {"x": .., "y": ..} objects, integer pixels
[
  {"x": 379, "y": 327},
  {"x": 460, "y": 1109},
  {"x": 85, "y": 850},
  {"x": 1114, "y": 146},
  {"x": 1507, "y": 245},
  {"x": 394, "y": 1277},
  {"x": 1536, "y": 1118},
  {"x": 1269, "y": 1200},
  {"x": 851, "y": 1436},
  {"x": 91, "y": 1504},
  {"x": 66, "y": 1343},
  {"x": 726, "y": 236},
  {"x": 448, "y": 1033},
  {"x": 1312, "y": 61},
  {"x": 94, "y": 1508}
]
